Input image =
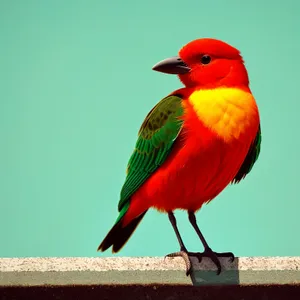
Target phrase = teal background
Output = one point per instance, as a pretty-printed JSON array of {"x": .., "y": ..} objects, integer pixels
[{"x": 75, "y": 85}]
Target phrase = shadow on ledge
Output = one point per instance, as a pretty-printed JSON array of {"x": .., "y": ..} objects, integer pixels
[
  {"x": 208, "y": 276},
  {"x": 203, "y": 274}
]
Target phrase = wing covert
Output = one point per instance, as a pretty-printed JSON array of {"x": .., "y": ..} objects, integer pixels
[{"x": 155, "y": 139}]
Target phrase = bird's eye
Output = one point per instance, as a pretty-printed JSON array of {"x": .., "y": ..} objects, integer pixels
[{"x": 205, "y": 59}]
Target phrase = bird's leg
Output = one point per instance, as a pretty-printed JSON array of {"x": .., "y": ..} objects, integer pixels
[
  {"x": 183, "y": 251},
  {"x": 214, "y": 256}
]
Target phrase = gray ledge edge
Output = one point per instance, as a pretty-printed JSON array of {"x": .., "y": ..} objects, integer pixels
[{"x": 146, "y": 270}]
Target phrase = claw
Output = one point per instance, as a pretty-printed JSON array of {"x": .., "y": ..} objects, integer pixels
[
  {"x": 216, "y": 261},
  {"x": 185, "y": 256}
]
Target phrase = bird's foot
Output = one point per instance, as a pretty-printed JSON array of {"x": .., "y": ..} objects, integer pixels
[
  {"x": 214, "y": 256},
  {"x": 185, "y": 255}
]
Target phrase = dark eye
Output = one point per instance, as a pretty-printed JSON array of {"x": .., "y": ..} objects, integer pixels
[{"x": 205, "y": 59}]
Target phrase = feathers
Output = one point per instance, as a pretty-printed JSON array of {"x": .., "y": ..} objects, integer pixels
[
  {"x": 119, "y": 235},
  {"x": 250, "y": 159},
  {"x": 156, "y": 137},
  {"x": 229, "y": 112},
  {"x": 213, "y": 47}
]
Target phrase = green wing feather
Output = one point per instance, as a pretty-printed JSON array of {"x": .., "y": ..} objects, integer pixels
[
  {"x": 250, "y": 159},
  {"x": 155, "y": 139}
]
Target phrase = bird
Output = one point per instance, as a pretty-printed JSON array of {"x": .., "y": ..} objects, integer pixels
[{"x": 192, "y": 144}]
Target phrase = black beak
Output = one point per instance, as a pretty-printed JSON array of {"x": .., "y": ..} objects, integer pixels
[{"x": 173, "y": 65}]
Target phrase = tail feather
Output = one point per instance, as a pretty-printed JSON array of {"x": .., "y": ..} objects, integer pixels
[{"x": 119, "y": 235}]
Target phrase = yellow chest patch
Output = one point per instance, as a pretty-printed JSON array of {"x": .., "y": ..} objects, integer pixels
[{"x": 229, "y": 112}]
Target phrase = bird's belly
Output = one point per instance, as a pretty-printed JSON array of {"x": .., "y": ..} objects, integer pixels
[{"x": 192, "y": 177}]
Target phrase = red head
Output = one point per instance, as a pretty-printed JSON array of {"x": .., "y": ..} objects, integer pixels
[{"x": 207, "y": 63}]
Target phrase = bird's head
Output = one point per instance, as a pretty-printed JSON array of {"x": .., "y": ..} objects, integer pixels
[{"x": 207, "y": 63}]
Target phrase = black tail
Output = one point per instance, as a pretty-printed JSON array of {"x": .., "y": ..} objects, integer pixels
[{"x": 118, "y": 235}]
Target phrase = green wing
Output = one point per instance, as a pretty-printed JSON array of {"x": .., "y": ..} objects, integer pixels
[
  {"x": 155, "y": 139},
  {"x": 250, "y": 159}
]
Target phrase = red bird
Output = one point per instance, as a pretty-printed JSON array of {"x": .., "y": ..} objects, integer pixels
[{"x": 192, "y": 144}]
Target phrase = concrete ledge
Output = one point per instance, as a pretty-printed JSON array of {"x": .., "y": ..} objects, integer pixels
[
  {"x": 154, "y": 275},
  {"x": 146, "y": 270}
]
